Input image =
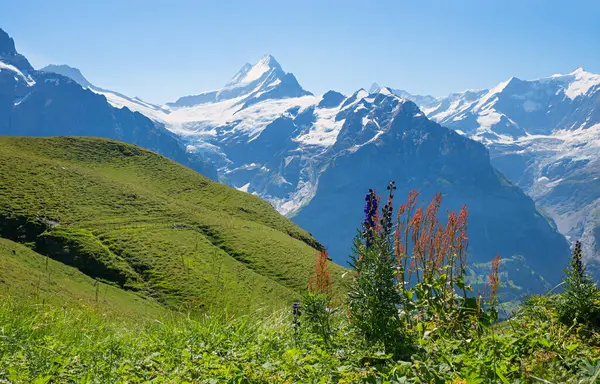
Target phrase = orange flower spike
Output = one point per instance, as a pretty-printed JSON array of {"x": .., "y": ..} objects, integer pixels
[
  {"x": 412, "y": 199},
  {"x": 463, "y": 240},
  {"x": 415, "y": 224},
  {"x": 321, "y": 280},
  {"x": 398, "y": 246},
  {"x": 440, "y": 247},
  {"x": 494, "y": 281}
]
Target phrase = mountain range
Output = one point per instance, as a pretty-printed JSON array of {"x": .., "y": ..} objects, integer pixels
[
  {"x": 43, "y": 103},
  {"x": 314, "y": 157},
  {"x": 544, "y": 135}
]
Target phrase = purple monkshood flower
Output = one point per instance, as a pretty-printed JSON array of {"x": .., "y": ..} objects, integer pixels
[
  {"x": 370, "y": 214},
  {"x": 296, "y": 308},
  {"x": 296, "y": 313}
]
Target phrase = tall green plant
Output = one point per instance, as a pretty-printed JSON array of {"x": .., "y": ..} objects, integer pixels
[
  {"x": 373, "y": 298},
  {"x": 580, "y": 301}
]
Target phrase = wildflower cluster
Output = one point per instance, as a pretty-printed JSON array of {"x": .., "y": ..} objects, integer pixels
[{"x": 412, "y": 270}]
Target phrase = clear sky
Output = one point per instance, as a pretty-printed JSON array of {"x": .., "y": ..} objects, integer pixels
[{"x": 160, "y": 50}]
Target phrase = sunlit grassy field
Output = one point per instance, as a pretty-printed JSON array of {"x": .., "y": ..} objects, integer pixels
[{"x": 138, "y": 221}]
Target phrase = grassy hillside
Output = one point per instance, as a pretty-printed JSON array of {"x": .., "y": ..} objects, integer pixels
[
  {"x": 29, "y": 275},
  {"x": 141, "y": 222}
]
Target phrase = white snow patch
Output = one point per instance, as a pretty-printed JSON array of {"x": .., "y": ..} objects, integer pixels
[
  {"x": 488, "y": 118},
  {"x": 196, "y": 120},
  {"x": 455, "y": 107},
  {"x": 22, "y": 99},
  {"x": 379, "y": 133},
  {"x": 491, "y": 93},
  {"x": 12, "y": 68},
  {"x": 243, "y": 188},
  {"x": 305, "y": 191},
  {"x": 359, "y": 108},
  {"x": 135, "y": 105},
  {"x": 324, "y": 130},
  {"x": 253, "y": 74},
  {"x": 582, "y": 83},
  {"x": 246, "y": 167},
  {"x": 365, "y": 121},
  {"x": 361, "y": 94}
]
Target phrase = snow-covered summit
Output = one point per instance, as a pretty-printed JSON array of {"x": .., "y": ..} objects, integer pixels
[
  {"x": 116, "y": 99},
  {"x": 516, "y": 108},
  {"x": 577, "y": 83},
  {"x": 374, "y": 88},
  {"x": 251, "y": 84},
  {"x": 250, "y": 73}
]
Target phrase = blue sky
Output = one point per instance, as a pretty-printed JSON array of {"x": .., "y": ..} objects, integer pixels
[{"x": 160, "y": 50}]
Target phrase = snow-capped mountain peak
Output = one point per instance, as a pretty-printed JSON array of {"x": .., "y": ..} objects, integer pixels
[
  {"x": 578, "y": 70},
  {"x": 579, "y": 82},
  {"x": 265, "y": 80},
  {"x": 374, "y": 88},
  {"x": 385, "y": 91},
  {"x": 256, "y": 81},
  {"x": 251, "y": 73}
]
